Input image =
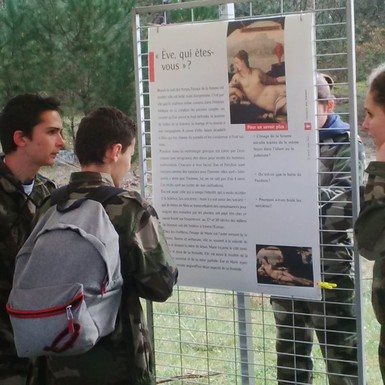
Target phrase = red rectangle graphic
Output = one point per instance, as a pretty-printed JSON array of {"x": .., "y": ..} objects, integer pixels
[
  {"x": 266, "y": 127},
  {"x": 151, "y": 68}
]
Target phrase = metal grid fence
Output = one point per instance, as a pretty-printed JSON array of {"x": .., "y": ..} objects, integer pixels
[{"x": 204, "y": 336}]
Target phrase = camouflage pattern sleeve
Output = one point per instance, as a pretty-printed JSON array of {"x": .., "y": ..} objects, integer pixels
[
  {"x": 369, "y": 229},
  {"x": 336, "y": 190},
  {"x": 156, "y": 271},
  {"x": 369, "y": 234},
  {"x": 146, "y": 258}
]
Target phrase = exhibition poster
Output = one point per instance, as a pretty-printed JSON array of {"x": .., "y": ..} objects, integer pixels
[{"x": 234, "y": 152}]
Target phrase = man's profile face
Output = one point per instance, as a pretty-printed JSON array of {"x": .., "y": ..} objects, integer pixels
[
  {"x": 46, "y": 140},
  {"x": 374, "y": 122}
]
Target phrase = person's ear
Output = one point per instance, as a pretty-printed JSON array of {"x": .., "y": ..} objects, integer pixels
[
  {"x": 116, "y": 150},
  {"x": 330, "y": 106},
  {"x": 19, "y": 138}
]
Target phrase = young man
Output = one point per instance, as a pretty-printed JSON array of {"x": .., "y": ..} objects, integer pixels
[
  {"x": 104, "y": 145},
  {"x": 333, "y": 318},
  {"x": 30, "y": 135}
]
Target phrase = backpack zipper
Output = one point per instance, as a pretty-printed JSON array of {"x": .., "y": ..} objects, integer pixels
[
  {"x": 70, "y": 318},
  {"x": 51, "y": 312}
]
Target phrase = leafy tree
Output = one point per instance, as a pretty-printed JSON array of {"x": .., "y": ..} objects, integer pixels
[
  {"x": 369, "y": 48},
  {"x": 78, "y": 50},
  {"x": 18, "y": 51},
  {"x": 89, "y": 42},
  {"x": 370, "y": 34},
  {"x": 369, "y": 10}
]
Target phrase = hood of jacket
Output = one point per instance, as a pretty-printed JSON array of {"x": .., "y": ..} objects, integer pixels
[{"x": 333, "y": 126}]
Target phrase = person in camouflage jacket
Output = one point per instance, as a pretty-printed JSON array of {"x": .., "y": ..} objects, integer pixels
[
  {"x": 369, "y": 229},
  {"x": 104, "y": 144},
  {"x": 333, "y": 318},
  {"x": 30, "y": 134}
]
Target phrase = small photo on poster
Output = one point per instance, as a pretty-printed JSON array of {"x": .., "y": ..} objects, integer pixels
[
  {"x": 284, "y": 265},
  {"x": 256, "y": 71}
]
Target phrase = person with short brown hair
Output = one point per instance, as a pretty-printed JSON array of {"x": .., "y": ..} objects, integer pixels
[
  {"x": 31, "y": 137},
  {"x": 104, "y": 145}
]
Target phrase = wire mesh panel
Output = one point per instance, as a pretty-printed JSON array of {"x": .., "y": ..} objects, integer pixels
[{"x": 210, "y": 336}]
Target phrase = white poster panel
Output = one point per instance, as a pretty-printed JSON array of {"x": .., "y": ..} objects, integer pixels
[{"x": 234, "y": 153}]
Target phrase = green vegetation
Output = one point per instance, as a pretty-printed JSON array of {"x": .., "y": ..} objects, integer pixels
[
  {"x": 78, "y": 50},
  {"x": 197, "y": 330}
]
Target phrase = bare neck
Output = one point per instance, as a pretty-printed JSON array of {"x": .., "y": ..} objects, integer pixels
[
  {"x": 97, "y": 168},
  {"x": 23, "y": 169}
]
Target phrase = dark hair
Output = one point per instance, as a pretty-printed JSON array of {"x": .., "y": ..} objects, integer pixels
[
  {"x": 377, "y": 85},
  {"x": 23, "y": 113},
  {"x": 244, "y": 56},
  {"x": 100, "y": 130}
]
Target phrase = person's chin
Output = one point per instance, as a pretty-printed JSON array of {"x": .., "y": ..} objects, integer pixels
[{"x": 50, "y": 161}]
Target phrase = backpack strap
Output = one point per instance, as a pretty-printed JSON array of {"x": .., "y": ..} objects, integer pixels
[
  {"x": 60, "y": 195},
  {"x": 103, "y": 193},
  {"x": 100, "y": 194}
]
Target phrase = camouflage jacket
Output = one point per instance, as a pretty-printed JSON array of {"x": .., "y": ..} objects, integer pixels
[
  {"x": 335, "y": 183},
  {"x": 17, "y": 210},
  {"x": 125, "y": 356},
  {"x": 369, "y": 233}
]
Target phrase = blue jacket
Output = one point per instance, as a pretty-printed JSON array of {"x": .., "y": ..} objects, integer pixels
[{"x": 335, "y": 126}]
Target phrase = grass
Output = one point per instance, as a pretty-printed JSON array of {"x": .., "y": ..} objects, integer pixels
[{"x": 197, "y": 338}]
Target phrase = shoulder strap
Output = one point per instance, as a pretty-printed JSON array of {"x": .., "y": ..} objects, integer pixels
[
  {"x": 101, "y": 194},
  {"x": 60, "y": 195}
]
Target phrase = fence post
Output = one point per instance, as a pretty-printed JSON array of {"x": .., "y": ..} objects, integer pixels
[{"x": 245, "y": 339}]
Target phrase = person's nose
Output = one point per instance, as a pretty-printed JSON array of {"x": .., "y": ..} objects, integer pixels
[
  {"x": 60, "y": 142},
  {"x": 364, "y": 125}
]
